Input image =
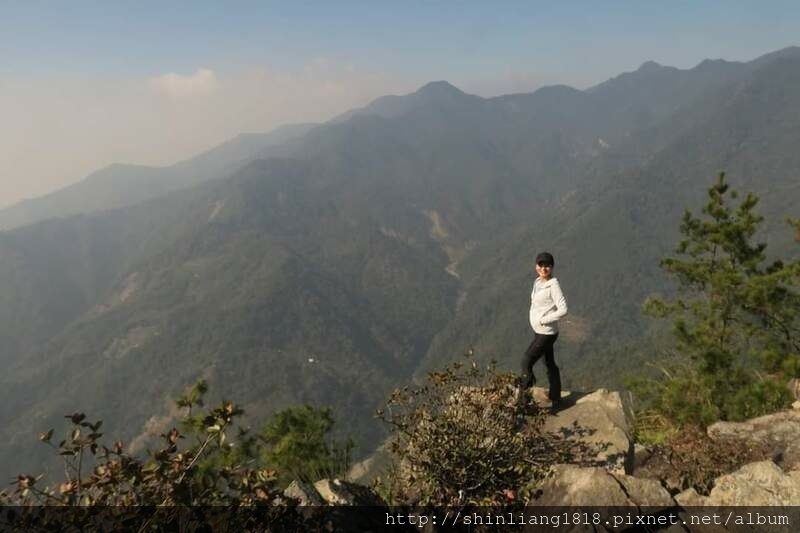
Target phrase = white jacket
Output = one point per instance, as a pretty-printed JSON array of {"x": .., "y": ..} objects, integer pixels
[{"x": 547, "y": 306}]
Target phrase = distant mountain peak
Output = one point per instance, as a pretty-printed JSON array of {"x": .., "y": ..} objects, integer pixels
[
  {"x": 650, "y": 66},
  {"x": 712, "y": 62},
  {"x": 390, "y": 106},
  {"x": 439, "y": 88}
]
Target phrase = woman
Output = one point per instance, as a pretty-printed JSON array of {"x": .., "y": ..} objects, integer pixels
[{"x": 548, "y": 305}]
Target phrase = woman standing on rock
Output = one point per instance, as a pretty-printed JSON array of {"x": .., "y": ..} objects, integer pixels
[{"x": 548, "y": 305}]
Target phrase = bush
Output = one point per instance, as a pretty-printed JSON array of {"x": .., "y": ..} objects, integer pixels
[
  {"x": 198, "y": 474},
  {"x": 98, "y": 474},
  {"x": 297, "y": 443},
  {"x": 462, "y": 438}
]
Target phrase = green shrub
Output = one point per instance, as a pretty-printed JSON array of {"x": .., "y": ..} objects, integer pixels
[
  {"x": 297, "y": 443},
  {"x": 210, "y": 463}
]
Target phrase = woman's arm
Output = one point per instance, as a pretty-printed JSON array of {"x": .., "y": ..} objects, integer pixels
[{"x": 533, "y": 316}]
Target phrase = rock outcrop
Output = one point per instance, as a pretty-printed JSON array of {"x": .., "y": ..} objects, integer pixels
[
  {"x": 337, "y": 492},
  {"x": 778, "y": 433},
  {"x": 599, "y": 422},
  {"x": 304, "y": 493},
  {"x": 755, "y": 484},
  {"x": 332, "y": 492},
  {"x": 603, "y": 473},
  {"x": 573, "y": 485},
  {"x": 341, "y": 505}
]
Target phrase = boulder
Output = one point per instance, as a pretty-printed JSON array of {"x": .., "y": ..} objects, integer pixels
[
  {"x": 762, "y": 483},
  {"x": 304, "y": 493},
  {"x": 337, "y": 492},
  {"x": 599, "y": 422},
  {"x": 575, "y": 486},
  {"x": 778, "y": 434},
  {"x": 755, "y": 484},
  {"x": 641, "y": 454},
  {"x": 690, "y": 498},
  {"x": 339, "y": 498}
]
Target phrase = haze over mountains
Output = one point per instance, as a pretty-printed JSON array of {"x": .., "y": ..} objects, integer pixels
[
  {"x": 329, "y": 263},
  {"x": 122, "y": 185}
]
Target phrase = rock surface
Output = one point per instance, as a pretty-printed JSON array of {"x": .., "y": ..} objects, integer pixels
[
  {"x": 337, "y": 492},
  {"x": 337, "y": 498},
  {"x": 599, "y": 421},
  {"x": 778, "y": 433},
  {"x": 572, "y": 485},
  {"x": 690, "y": 498},
  {"x": 641, "y": 454},
  {"x": 332, "y": 492},
  {"x": 597, "y": 424},
  {"x": 755, "y": 484},
  {"x": 304, "y": 493}
]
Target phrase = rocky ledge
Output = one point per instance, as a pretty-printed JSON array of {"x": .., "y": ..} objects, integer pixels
[
  {"x": 609, "y": 474},
  {"x": 601, "y": 420}
]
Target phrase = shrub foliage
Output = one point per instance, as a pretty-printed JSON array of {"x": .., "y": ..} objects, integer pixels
[
  {"x": 210, "y": 471},
  {"x": 99, "y": 474},
  {"x": 296, "y": 442},
  {"x": 462, "y": 438}
]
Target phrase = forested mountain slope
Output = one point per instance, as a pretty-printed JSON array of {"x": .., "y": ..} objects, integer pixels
[{"x": 386, "y": 242}]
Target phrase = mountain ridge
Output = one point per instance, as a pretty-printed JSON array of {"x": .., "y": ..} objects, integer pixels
[
  {"x": 119, "y": 185},
  {"x": 123, "y": 184},
  {"x": 341, "y": 248}
]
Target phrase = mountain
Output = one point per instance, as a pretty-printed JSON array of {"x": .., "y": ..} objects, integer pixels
[
  {"x": 384, "y": 243},
  {"x": 610, "y": 234},
  {"x": 122, "y": 185},
  {"x": 437, "y": 93}
]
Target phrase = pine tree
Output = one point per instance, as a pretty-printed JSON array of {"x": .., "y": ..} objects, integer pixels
[
  {"x": 736, "y": 322},
  {"x": 298, "y": 444}
]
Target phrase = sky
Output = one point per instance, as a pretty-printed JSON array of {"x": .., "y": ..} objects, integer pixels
[{"x": 84, "y": 84}]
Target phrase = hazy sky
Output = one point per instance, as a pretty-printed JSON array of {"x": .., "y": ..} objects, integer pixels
[{"x": 86, "y": 84}]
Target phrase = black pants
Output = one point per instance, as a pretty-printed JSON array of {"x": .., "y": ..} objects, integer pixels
[{"x": 541, "y": 345}]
